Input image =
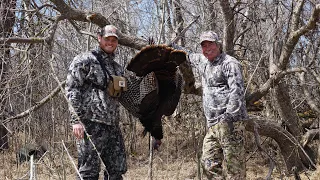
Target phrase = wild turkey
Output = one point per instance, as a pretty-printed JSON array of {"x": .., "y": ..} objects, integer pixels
[{"x": 155, "y": 88}]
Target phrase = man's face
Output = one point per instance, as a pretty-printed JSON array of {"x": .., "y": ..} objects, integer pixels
[
  {"x": 210, "y": 50},
  {"x": 108, "y": 44}
]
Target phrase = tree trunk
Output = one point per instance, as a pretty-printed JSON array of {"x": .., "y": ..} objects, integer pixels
[
  {"x": 210, "y": 21},
  {"x": 228, "y": 27},
  {"x": 179, "y": 20},
  {"x": 288, "y": 116},
  {"x": 6, "y": 28}
]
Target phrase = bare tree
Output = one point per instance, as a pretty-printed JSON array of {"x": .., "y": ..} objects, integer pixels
[
  {"x": 6, "y": 29},
  {"x": 274, "y": 40}
]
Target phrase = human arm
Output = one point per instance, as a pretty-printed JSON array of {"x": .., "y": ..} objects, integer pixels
[{"x": 75, "y": 85}]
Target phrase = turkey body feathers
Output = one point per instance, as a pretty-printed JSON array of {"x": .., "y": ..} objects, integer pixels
[
  {"x": 163, "y": 62},
  {"x": 153, "y": 58}
]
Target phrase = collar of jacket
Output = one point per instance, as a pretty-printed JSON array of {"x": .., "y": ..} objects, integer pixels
[{"x": 218, "y": 59}]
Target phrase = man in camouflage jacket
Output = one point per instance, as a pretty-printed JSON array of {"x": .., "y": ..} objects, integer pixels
[
  {"x": 95, "y": 114},
  {"x": 223, "y": 155}
]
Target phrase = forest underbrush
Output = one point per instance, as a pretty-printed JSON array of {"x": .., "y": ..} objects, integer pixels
[{"x": 176, "y": 160}]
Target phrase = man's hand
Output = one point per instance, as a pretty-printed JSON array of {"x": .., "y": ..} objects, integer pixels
[
  {"x": 156, "y": 144},
  {"x": 78, "y": 130}
]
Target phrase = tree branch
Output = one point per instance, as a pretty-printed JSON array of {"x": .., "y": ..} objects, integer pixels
[
  {"x": 291, "y": 150},
  {"x": 294, "y": 37},
  {"x": 100, "y": 20},
  {"x": 309, "y": 136},
  {"x": 270, "y": 83},
  {"x": 32, "y": 40},
  {"x": 296, "y": 15},
  {"x": 176, "y": 39},
  {"x": 284, "y": 58},
  {"x": 35, "y": 40},
  {"x": 37, "y": 106},
  {"x": 307, "y": 94}
]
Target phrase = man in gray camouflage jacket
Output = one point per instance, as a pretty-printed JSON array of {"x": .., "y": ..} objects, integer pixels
[
  {"x": 223, "y": 155},
  {"x": 94, "y": 111}
]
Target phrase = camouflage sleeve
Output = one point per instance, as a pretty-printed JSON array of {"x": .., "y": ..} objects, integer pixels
[
  {"x": 76, "y": 78},
  {"x": 235, "y": 82}
]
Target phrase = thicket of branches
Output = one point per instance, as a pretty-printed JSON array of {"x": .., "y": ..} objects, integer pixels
[{"x": 276, "y": 41}]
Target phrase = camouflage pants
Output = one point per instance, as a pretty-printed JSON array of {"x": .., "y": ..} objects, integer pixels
[
  {"x": 223, "y": 152},
  {"x": 109, "y": 143}
]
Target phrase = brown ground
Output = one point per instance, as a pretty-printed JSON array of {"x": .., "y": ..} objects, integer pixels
[
  {"x": 163, "y": 168},
  {"x": 174, "y": 161}
]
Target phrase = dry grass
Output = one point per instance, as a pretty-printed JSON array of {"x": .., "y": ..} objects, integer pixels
[
  {"x": 172, "y": 162},
  {"x": 59, "y": 166}
]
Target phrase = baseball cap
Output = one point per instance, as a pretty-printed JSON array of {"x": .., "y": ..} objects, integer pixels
[
  {"x": 209, "y": 36},
  {"x": 109, "y": 30}
]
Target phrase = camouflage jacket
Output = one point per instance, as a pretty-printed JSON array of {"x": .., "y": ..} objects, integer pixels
[
  {"x": 87, "y": 100},
  {"x": 222, "y": 85},
  {"x": 223, "y": 88}
]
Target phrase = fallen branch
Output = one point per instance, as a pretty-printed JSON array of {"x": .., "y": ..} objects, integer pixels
[{"x": 293, "y": 153}]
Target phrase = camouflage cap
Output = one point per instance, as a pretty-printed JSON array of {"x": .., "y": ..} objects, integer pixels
[
  {"x": 209, "y": 36},
  {"x": 109, "y": 30}
]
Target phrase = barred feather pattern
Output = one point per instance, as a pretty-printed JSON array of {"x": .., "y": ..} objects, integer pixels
[
  {"x": 158, "y": 92},
  {"x": 139, "y": 88}
]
